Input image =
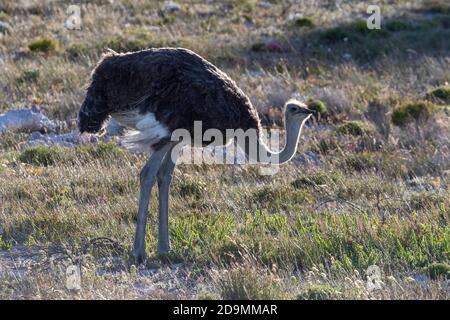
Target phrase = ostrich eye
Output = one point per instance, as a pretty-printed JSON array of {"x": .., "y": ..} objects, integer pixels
[{"x": 293, "y": 108}]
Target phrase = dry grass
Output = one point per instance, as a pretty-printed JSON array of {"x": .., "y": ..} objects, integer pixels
[{"x": 380, "y": 197}]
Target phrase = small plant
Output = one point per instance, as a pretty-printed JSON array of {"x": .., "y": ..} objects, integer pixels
[
  {"x": 440, "y": 94},
  {"x": 167, "y": 19},
  {"x": 4, "y": 16},
  {"x": 46, "y": 45},
  {"x": 28, "y": 76},
  {"x": 360, "y": 26},
  {"x": 41, "y": 155},
  {"x": 191, "y": 188},
  {"x": 244, "y": 6},
  {"x": 438, "y": 271},
  {"x": 319, "y": 292},
  {"x": 318, "y": 106},
  {"x": 354, "y": 128},
  {"x": 333, "y": 35},
  {"x": 301, "y": 22},
  {"x": 414, "y": 112}
]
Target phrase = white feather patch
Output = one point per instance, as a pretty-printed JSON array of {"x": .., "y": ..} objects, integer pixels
[{"x": 144, "y": 130}]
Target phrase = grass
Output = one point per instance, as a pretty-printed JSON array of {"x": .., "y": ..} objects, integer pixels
[{"x": 380, "y": 196}]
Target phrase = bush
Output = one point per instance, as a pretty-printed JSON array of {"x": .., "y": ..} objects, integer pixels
[
  {"x": 438, "y": 271},
  {"x": 303, "y": 22},
  {"x": 41, "y": 155},
  {"x": 441, "y": 94},
  {"x": 318, "y": 106},
  {"x": 44, "y": 45},
  {"x": 333, "y": 35},
  {"x": 410, "y": 112},
  {"x": 354, "y": 128}
]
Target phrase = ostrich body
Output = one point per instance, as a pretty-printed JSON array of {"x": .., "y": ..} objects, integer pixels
[{"x": 156, "y": 91}]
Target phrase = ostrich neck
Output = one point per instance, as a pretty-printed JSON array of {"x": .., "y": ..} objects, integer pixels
[{"x": 265, "y": 155}]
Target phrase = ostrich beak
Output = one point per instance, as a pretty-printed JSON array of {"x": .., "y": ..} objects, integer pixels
[{"x": 307, "y": 111}]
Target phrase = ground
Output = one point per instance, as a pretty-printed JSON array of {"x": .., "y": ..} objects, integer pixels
[{"x": 366, "y": 188}]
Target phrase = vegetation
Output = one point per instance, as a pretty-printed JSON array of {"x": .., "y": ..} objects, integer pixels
[
  {"x": 354, "y": 128},
  {"x": 441, "y": 94},
  {"x": 353, "y": 197},
  {"x": 44, "y": 45}
]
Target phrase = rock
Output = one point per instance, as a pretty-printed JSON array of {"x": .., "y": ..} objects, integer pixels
[
  {"x": 171, "y": 7},
  {"x": 28, "y": 120},
  {"x": 4, "y": 27},
  {"x": 347, "y": 56},
  {"x": 264, "y": 4},
  {"x": 154, "y": 29},
  {"x": 68, "y": 140}
]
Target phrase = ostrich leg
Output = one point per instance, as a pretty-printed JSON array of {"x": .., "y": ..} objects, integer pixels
[
  {"x": 165, "y": 175},
  {"x": 147, "y": 179}
]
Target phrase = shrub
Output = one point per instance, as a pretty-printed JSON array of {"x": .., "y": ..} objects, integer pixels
[
  {"x": 4, "y": 16},
  {"x": 318, "y": 106},
  {"x": 354, "y": 128},
  {"x": 303, "y": 22},
  {"x": 167, "y": 19},
  {"x": 41, "y": 155},
  {"x": 333, "y": 35},
  {"x": 360, "y": 26},
  {"x": 441, "y": 94},
  {"x": 438, "y": 271},
  {"x": 101, "y": 150},
  {"x": 319, "y": 292},
  {"x": 410, "y": 112},
  {"x": 44, "y": 45}
]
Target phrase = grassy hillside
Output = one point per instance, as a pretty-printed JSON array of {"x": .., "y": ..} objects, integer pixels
[{"x": 378, "y": 195}]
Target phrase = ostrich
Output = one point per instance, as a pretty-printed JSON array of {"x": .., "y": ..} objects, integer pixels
[{"x": 156, "y": 91}]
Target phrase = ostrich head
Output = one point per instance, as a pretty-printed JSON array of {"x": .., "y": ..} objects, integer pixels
[{"x": 296, "y": 111}]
